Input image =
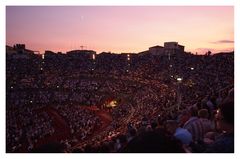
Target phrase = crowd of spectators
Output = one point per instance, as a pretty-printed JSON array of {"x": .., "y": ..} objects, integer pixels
[
  {"x": 151, "y": 101},
  {"x": 81, "y": 122},
  {"x": 25, "y": 127}
]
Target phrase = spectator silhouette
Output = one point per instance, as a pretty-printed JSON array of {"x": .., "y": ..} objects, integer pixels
[
  {"x": 156, "y": 141},
  {"x": 225, "y": 123}
]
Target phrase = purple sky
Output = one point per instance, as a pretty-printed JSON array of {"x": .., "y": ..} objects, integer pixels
[{"x": 120, "y": 29}]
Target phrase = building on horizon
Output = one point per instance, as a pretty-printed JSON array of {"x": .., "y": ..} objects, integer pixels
[
  {"x": 18, "y": 51},
  {"x": 173, "y": 47},
  {"x": 81, "y": 54},
  {"x": 156, "y": 50},
  {"x": 169, "y": 48}
]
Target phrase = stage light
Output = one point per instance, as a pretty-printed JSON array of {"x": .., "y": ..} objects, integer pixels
[{"x": 179, "y": 79}]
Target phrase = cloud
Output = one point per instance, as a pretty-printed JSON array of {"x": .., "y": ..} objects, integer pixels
[{"x": 223, "y": 42}]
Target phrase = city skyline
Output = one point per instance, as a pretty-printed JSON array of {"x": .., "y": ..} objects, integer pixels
[{"x": 120, "y": 29}]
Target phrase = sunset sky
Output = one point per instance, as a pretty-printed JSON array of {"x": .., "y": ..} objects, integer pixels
[{"x": 120, "y": 29}]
